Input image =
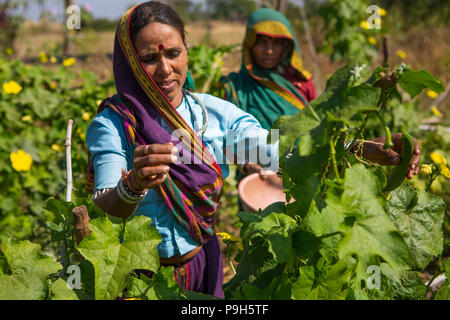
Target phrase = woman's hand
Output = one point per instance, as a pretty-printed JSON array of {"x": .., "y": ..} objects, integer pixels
[
  {"x": 150, "y": 166},
  {"x": 373, "y": 150}
]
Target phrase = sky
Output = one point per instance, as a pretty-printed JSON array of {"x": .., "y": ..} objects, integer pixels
[{"x": 111, "y": 9}]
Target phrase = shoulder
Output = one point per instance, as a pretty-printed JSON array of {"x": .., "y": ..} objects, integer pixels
[
  {"x": 107, "y": 120},
  {"x": 106, "y": 128},
  {"x": 213, "y": 102},
  {"x": 225, "y": 111}
]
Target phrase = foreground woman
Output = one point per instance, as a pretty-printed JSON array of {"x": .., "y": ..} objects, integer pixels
[{"x": 138, "y": 166}]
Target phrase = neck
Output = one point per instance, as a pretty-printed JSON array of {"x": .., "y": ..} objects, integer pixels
[{"x": 176, "y": 101}]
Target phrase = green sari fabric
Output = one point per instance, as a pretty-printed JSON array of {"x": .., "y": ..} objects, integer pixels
[{"x": 264, "y": 93}]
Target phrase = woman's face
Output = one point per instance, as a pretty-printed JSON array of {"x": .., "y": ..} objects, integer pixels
[
  {"x": 164, "y": 56},
  {"x": 267, "y": 51}
]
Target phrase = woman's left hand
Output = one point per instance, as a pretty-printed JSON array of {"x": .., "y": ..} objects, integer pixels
[{"x": 373, "y": 150}]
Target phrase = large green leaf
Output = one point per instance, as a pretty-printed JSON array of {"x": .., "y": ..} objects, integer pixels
[
  {"x": 113, "y": 258},
  {"x": 419, "y": 217},
  {"x": 368, "y": 233},
  {"x": 24, "y": 258},
  {"x": 24, "y": 286},
  {"x": 268, "y": 246}
]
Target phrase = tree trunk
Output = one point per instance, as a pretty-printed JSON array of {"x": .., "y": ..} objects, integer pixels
[
  {"x": 281, "y": 5},
  {"x": 67, "y": 44}
]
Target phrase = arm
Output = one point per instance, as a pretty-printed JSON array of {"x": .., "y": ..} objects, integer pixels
[{"x": 109, "y": 157}]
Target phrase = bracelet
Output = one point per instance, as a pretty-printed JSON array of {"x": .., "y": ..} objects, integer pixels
[
  {"x": 126, "y": 192},
  {"x": 127, "y": 196}
]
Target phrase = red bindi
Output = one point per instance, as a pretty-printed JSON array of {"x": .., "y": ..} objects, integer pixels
[{"x": 161, "y": 47}]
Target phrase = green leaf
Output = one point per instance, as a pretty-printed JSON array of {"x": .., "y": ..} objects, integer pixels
[
  {"x": 305, "y": 244},
  {"x": 333, "y": 285},
  {"x": 279, "y": 289},
  {"x": 59, "y": 290},
  {"x": 24, "y": 286},
  {"x": 405, "y": 285},
  {"x": 413, "y": 82},
  {"x": 24, "y": 258},
  {"x": 267, "y": 247},
  {"x": 368, "y": 233},
  {"x": 419, "y": 217},
  {"x": 113, "y": 259},
  {"x": 322, "y": 224}
]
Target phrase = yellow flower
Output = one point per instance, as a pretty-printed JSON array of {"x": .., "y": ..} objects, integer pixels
[
  {"x": 56, "y": 147},
  {"x": 81, "y": 133},
  {"x": 438, "y": 159},
  {"x": 9, "y": 51},
  {"x": 364, "y": 25},
  {"x": 12, "y": 87},
  {"x": 86, "y": 116},
  {"x": 401, "y": 54},
  {"x": 43, "y": 57},
  {"x": 26, "y": 118},
  {"x": 20, "y": 160},
  {"x": 426, "y": 169},
  {"x": 69, "y": 62},
  {"x": 432, "y": 94},
  {"x": 436, "y": 112},
  {"x": 372, "y": 40},
  {"x": 53, "y": 59},
  {"x": 445, "y": 172},
  {"x": 98, "y": 102},
  {"x": 133, "y": 299},
  {"x": 229, "y": 238},
  {"x": 382, "y": 12}
]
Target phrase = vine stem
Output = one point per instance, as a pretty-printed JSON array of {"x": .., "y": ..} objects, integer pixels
[
  {"x": 433, "y": 177},
  {"x": 229, "y": 260},
  {"x": 333, "y": 160}
]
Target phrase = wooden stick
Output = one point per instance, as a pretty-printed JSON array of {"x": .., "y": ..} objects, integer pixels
[
  {"x": 80, "y": 223},
  {"x": 69, "y": 161}
]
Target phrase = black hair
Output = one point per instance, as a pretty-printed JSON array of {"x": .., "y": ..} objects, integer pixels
[{"x": 154, "y": 11}]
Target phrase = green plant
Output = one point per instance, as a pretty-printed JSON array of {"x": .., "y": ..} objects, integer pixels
[
  {"x": 342, "y": 237},
  {"x": 348, "y": 35},
  {"x": 35, "y": 104}
]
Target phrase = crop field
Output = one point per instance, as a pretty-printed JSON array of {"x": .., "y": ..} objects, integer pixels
[{"x": 353, "y": 230}]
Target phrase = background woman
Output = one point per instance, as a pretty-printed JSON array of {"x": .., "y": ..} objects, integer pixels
[{"x": 271, "y": 82}]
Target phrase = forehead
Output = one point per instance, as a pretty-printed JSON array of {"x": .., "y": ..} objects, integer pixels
[
  {"x": 263, "y": 37},
  {"x": 155, "y": 34}
]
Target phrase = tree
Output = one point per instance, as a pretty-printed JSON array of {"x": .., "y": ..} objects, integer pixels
[{"x": 67, "y": 44}]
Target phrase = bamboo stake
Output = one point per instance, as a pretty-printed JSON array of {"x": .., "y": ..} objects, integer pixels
[{"x": 69, "y": 161}]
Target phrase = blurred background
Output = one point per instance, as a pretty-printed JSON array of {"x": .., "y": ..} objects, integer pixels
[{"x": 51, "y": 74}]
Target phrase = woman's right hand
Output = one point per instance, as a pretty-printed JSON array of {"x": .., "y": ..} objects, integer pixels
[{"x": 150, "y": 166}]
